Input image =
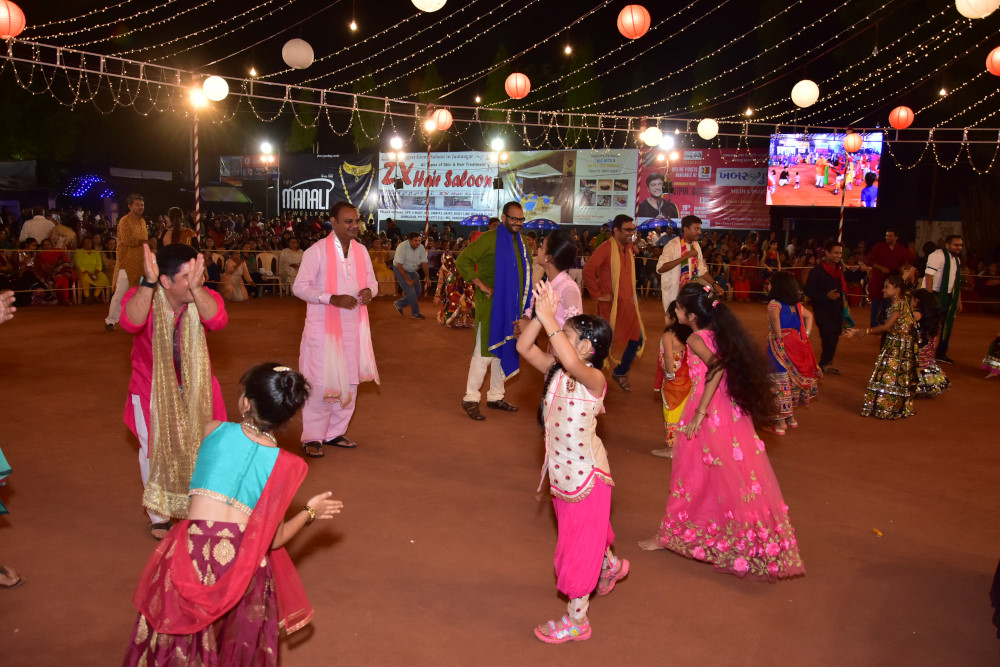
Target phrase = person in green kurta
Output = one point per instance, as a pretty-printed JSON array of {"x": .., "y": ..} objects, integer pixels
[{"x": 497, "y": 263}]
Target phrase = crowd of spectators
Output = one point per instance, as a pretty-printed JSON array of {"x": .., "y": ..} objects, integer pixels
[{"x": 67, "y": 255}]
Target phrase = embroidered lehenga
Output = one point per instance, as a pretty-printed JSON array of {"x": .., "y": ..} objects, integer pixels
[
  {"x": 893, "y": 383},
  {"x": 458, "y": 298}
]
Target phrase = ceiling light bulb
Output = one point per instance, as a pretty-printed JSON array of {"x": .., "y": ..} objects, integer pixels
[
  {"x": 354, "y": 25},
  {"x": 253, "y": 71},
  {"x": 478, "y": 99},
  {"x": 748, "y": 112},
  {"x": 568, "y": 50},
  {"x": 942, "y": 92}
]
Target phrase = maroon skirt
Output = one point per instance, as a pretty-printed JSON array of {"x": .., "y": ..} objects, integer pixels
[{"x": 247, "y": 634}]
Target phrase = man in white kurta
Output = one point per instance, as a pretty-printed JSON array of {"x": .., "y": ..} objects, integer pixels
[
  {"x": 336, "y": 353},
  {"x": 681, "y": 261}
]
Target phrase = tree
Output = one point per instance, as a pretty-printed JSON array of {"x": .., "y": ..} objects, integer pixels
[
  {"x": 304, "y": 128},
  {"x": 369, "y": 118}
]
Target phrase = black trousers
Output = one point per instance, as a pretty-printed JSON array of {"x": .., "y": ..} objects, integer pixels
[{"x": 830, "y": 325}]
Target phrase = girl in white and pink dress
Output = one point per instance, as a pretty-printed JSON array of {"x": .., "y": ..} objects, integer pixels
[{"x": 575, "y": 459}]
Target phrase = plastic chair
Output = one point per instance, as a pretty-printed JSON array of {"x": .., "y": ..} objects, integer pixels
[{"x": 266, "y": 261}]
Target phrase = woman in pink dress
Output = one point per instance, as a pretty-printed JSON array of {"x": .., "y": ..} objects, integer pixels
[{"x": 725, "y": 506}]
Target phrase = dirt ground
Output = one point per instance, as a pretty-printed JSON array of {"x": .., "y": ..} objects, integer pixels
[{"x": 444, "y": 557}]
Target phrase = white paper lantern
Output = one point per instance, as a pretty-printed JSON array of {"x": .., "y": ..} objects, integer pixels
[
  {"x": 652, "y": 136},
  {"x": 297, "y": 53},
  {"x": 216, "y": 88},
  {"x": 429, "y": 5},
  {"x": 976, "y": 9},
  {"x": 805, "y": 93},
  {"x": 708, "y": 128}
]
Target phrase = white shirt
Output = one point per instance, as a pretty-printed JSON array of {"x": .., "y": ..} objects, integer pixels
[
  {"x": 411, "y": 258},
  {"x": 310, "y": 283},
  {"x": 670, "y": 280},
  {"x": 935, "y": 268},
  {"x": 37, "y": 228}
]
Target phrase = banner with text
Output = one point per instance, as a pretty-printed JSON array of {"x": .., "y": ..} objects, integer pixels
[
  {"x": 723, "y": 187},
  {"x": 311, "y": 184},
  {"x": 567, "y": 186}
]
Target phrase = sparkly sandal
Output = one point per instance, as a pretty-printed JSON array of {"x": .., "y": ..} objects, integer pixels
[
  {"x": 610, "y": 577},
  {"x": 563, "y": 631}
]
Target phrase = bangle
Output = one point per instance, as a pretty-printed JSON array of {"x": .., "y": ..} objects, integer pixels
[
  {"x": 701, "y": 412},
  {"x": 867, "y": 331},
  {"x": 555, "y": 332},
  {"x": 312, "y": 514}
]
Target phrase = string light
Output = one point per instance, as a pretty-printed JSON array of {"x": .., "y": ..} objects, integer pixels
[
  {"x": 842, "y": 73},
  {"x": 113, "y": 22},
  {"x": 495, "y": 24},
  {"x": 201, "y": 43},
  {"x": 942, "y": 92},
  {"x": 85, "y": 15},
  {"x": 131, "y": 31}
]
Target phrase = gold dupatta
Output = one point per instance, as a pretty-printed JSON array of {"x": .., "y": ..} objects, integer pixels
[
  {"x": 616, "y": 272},
  {"x": 176, "y": 419}
]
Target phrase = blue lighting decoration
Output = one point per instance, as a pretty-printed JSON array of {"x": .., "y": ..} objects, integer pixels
[{"x": 88, "y": 185}]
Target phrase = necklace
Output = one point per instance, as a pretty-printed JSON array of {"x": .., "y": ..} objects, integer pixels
[{"x": 259, "y": 432}]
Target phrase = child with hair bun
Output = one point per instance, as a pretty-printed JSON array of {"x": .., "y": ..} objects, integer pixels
[{"x": 220, "y": 585}]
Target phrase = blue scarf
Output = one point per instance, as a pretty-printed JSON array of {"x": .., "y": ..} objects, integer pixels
[{"x": 511, "y": 295}]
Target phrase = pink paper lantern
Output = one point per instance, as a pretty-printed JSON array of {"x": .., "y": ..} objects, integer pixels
[
  {"x": 633, "y": 21},
  {"x": 993, "y": 62},
  {"x": 517, "y": 86},
  {"x": 901, "y": 117},
  {"x": 442, "y": 119},
  {"x": 11, "y": 20},
  {"x": 853, "y": 142}
]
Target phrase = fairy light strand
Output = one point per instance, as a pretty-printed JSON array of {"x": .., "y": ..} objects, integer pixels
[{"x": 154, "y": 24}]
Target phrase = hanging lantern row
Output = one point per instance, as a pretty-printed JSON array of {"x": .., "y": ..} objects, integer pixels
[{"x": 11, "y": 20}]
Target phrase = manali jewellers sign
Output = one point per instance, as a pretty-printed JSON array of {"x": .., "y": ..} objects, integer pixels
[{"x": 311, "y": 195}]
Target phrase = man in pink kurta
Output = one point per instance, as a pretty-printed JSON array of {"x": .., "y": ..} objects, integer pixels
[
  {"x": 336, "y": 352},
  {"x": 137, "y": 318}
]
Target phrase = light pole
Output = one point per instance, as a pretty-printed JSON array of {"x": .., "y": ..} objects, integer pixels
[
  {"x": 198, "y": 101},
  {"x": 396, "y": 155},
  {"x": 430, "y": 126},
  {"x": 501, "y": 157},
  {"x": 267, "y": 158}
]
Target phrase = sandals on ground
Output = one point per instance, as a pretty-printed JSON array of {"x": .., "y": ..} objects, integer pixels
[
  {"x": 341, "y": 441},
  {"x": 622, "y": 381},
  {"x": 610, "y": 577},
  {"x": 771, "y": 429},
  {"x": 313, "y": 449},
  {"x": 163, "y": 525},
  {"x": 559, "y": 632},
  {"x": 16, "y": 579}
]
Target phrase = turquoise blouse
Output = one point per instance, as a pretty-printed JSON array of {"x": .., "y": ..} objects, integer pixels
[{"x": 232, "y": 468}]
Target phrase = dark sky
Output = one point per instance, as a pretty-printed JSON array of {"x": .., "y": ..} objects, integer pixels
[{"x": 693, "y": 63}]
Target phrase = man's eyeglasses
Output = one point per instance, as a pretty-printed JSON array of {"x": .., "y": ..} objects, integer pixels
[
  {"x": 628, "y": 229},
  {"x": 514, "y": 220}
]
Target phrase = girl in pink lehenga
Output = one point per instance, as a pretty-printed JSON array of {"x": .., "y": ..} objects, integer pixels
[{"x": 725, "y": 506}]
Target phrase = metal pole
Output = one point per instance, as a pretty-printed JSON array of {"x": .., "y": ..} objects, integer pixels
[
  {"x": 427, "y": 199},
  {"x": 197, "y": 188}
]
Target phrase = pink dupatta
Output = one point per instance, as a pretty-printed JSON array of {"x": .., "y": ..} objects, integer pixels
[{"x": 336, "y": 379}]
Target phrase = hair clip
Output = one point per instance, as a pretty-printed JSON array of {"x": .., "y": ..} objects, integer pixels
[
  {"x": 715, "y": 303},
  {"x": 707, "y": 289},
  {"x": 281, "y": 369}
]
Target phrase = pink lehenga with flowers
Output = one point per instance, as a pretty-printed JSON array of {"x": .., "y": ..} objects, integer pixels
[{"x": 725, "y": 506}]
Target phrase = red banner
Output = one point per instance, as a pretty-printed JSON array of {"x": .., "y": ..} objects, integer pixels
[{"x": 724, "y": 187}]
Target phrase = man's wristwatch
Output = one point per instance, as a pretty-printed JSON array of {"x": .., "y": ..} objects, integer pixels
[{"x": 145, "y": 283}]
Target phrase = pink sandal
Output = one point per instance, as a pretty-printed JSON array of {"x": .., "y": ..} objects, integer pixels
[
  {"x": 610, "y": 577},
  {"x": 771, "y": 429},
  {"x": 565, "y": 631}
]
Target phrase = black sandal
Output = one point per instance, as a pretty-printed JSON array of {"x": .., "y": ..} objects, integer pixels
[
  {"x": 622, "y": 381},
  {"x": 163, "y": 525},
  {"x": 313, "y": 449},
  {"x": 341, "y": 441}
]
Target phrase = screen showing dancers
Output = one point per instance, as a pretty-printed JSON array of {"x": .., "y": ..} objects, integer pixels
[{"x": 816, "y": 170}]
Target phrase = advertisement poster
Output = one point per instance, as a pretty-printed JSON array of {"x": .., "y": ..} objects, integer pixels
[
  {"x": 605, "y": 185},
  {"x": 459, "y": 184},
  {"x": 312, "y": 184},
  {"x": 565, "y": 186},
  {"x": 231, "y": 169},
  {"x": 724, "y": 187},
  {"x": 255, "y": 169}
]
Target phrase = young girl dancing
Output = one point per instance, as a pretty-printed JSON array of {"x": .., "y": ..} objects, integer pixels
[
  {"x": 931, "y": 380},
  {"x": 220, "y": 585},
  {"x": 793, "y": 370},
  {"x": 725, "y": 506},
  {"x": 672, "y": 378},
  {"x": 575, "y": 459},
  {"x": 893, "y": 383}
]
